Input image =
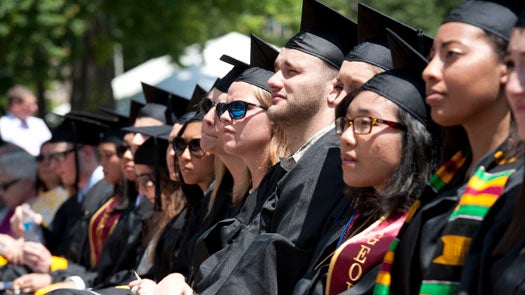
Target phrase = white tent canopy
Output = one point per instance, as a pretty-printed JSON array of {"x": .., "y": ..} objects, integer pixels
[{"x": 201, "y": 68}]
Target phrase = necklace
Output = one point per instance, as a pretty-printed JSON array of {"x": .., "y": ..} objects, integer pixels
[{"x": 347, "y": 228}]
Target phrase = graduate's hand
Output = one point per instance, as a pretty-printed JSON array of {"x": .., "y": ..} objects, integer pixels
[
  {"x": 16, "y": 223},
  {"x": 36, "y": 256},
  {"x": 11, "y": 248},
  {"x": 31, "y": 282},
  {"x": 173, "y": 284},
  {"x": 143, "y": 287}
]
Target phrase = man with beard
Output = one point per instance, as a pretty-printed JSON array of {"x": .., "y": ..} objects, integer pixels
[{"x": 273, "y": 251}]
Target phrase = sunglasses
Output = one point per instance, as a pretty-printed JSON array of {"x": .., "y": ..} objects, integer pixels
[
  {"x": 4, "y": 186},
  {"x": 122, "y": 149},
  {"x": 206, "y": 105},
  {"x": 146, "y": 180},
  {"x": 236, "y": 109},
  {"x": 180, "y": 144}
]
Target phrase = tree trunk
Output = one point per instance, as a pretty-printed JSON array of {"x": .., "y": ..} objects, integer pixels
[{"x": 93, "y": 69}]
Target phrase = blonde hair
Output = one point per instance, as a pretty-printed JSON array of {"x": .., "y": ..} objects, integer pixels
[{"x": 278, "y": 146}]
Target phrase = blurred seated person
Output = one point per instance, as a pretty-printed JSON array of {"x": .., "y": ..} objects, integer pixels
[{"x": 19, "y": 126}]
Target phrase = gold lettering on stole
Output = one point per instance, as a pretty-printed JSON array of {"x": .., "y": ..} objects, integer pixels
[{"x": 356, "y": 269}]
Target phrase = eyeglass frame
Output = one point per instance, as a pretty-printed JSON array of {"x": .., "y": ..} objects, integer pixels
[
  {"x": 150, "y": 182},
  {"x": 222, "y": 107},
  {"x": 44, "y": 157},
  {"x": 4, "y": 186},
  {"x": 60, "y": 157},
  {"x": 198, "y": 153},
  {"x": 342, "y": 124}
]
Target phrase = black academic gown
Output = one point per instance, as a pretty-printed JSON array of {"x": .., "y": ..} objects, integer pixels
[
  {"x": 418, "y": 244},
  {"x": 273, "y": 252},
  {"x": 215, "y": 241},
  {"x": 69, "y": 229},
  {"x": 119, "y": 253},
  {"x": 484, "y": 273},
  {"x": 314, "y": 282}
]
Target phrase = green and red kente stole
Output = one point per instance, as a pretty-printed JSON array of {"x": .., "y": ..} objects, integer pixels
[
  {"x": 437, "y": 182},
  {"x": 482, "y": 191}
]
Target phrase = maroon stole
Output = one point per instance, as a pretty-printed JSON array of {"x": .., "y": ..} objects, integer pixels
[
  {"x": 357, "y": 255},
  {"x": 101, "y": 225}
]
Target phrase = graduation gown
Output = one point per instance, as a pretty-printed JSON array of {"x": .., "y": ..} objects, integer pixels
[
  {"x": 68, "y": 233},
  {"x": 315, "y": 280},
  {"x": 485, "y": 273},
  {"x": 273, "y": 252},
  {"x": 217, "y": 238},
  {"x": 119, "y": 253},
  {"x": 417, "y": 247}
]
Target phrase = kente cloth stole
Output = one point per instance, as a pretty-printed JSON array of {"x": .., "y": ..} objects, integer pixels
[
  {"x": 357, "y": 255},
  {"x": 482, "y": 191},
  {"x": 437, "y": 182},
  {"x": 101, "y": 226}
]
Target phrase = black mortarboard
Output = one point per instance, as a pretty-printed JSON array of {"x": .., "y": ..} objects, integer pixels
[
  {"x": 78, "y": 130},
  {"x": 114, "y": 122},
  {"x": 262, "y": 60},
  {"x": 325, "y": 33},
  {"x": 521, "y": 20},
  {"x": 162, "y": 105},
  {"x": 196, "y": 97},
  {"x": 144, "y": 153},
  {"x": 403, "y": 85},
  {"x": 496, "y": 17},
  {"x": 373, "y": 44},
  {"x": 238, "y": 67},
  {"x": 134, "y": 110},
  {"x": 161, "y": 131}
]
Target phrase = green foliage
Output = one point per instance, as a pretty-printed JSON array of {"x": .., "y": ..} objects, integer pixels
[{"x": 40, "y": 39}]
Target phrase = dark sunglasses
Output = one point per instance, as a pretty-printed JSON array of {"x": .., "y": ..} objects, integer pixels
[
  {"x": 122, "y": 149},
  {"x": 206, "y": 105},
  {"x": 146, "y": 179},
  {"x": 179, "y": 146},
  {"x": 4, "y": 186},
  {"x": 236, "y": 109}
]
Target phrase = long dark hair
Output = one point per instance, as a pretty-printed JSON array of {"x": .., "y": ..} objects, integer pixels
[{"x": 419, "y": 159}]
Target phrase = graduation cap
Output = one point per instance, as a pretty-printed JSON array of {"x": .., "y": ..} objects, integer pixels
[
  {"x": 134, "y": 110},
  {"x": 148, "y": 153},
  {"x": 113, "y": 121},
  {"x": 403, "y": 85},
  {"x": 262, "y": 60},
  {"x": 373, "y": 45},
  {"x": 78, "y": 130},
  {"x": 521, "y": 20},
  {"x": 162, "y": 105},
  {"x": 196, "y": 97},
  {"x": 325, "y": 33},
  {"x": 238, "y": 67},
  {"x": 496, "y": 17}
]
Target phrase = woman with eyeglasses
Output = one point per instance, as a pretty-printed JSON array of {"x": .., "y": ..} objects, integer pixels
[
  {"x": 51, "y": 193},
  {"x": 389, "y": 148},
  {"x": 465, "y": 89}
]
